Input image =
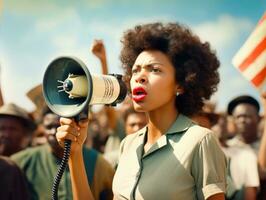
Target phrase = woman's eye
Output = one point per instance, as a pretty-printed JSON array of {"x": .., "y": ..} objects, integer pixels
[
  {"x": 134, "y": 71},
  {"x": 155, "y": 70}
]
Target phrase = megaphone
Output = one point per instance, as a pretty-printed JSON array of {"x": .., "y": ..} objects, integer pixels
[{"x": 69, "y": 88}]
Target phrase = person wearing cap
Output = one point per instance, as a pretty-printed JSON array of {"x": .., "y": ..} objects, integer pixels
[
  {"x": 243, "y": 148},
  {"x": 16, "y": 128},
  {"x": 245, "y": 112},
  {"x": 40, "y": 165}
]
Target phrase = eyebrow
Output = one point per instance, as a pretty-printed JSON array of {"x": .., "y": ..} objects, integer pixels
[{"x": 148, "y": 64}]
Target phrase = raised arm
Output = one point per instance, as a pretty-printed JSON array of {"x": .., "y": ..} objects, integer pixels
[
  {"x": 262, "y": 150},
  {"x": 77, "y": 133},
  {"x": 98, "y": 50},
  {"x": 1, "y": 95}
]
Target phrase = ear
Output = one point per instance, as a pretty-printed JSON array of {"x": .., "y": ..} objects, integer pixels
[{"x": 179, "y": 89}]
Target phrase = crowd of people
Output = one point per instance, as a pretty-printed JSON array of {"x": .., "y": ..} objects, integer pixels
[{"x": 165, "y": 140}]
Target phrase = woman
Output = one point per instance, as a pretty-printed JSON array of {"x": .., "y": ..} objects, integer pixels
[{"x": 171, "y": 73}]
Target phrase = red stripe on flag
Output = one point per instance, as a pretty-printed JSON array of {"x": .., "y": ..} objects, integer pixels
[
  {"x": 260, "y": 77},
  {"x": 253, "y": 55},
  {"x": 262, "y": 19}
]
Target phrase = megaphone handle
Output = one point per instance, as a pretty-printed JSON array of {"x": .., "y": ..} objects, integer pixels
[{"x": 82, "y": 115}]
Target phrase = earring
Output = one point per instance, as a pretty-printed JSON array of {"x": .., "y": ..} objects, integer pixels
[{"x": 177, "y": 93}]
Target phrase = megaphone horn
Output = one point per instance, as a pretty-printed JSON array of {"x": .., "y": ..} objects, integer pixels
[{"x": 69, "y": 87}]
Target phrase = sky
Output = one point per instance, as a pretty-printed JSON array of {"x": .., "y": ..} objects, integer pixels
[{"x": 34, "y": 32}]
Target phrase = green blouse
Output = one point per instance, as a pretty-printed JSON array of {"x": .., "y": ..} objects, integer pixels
[{"x": 185, "y": 163}]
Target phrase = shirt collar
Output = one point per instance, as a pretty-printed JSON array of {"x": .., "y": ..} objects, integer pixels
[{"x": 181, "y": 124}]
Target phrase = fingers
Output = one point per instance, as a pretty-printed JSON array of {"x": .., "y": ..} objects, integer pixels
[
  {"x": 70, "y": 127},
  {"x": 97, "y": 44},
  {"x": 67, "y": 121},
  {"x": 62, "y": 136},
  {"x": 71, "y": 130}
]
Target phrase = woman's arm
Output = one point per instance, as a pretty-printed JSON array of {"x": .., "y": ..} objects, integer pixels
[
  {"x": 79, "y": 180},
  {"x": 219, "y": 196},
  {"x": 77, "y": 133},
  {"x": 250, "y": 193}
]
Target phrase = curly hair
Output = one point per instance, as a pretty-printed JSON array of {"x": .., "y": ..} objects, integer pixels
[{"x": 196, "y": 65}]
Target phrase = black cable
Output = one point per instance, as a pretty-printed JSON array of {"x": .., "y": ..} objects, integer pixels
[{"x": 61, "y": 169}]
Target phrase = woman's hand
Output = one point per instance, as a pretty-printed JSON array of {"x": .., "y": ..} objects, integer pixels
[
  {"x": 77, "y": 133},
  {"x": 73, "y": 131}
]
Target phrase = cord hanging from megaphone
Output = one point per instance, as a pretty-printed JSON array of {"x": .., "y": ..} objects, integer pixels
[{"x": 61, "y": 169}]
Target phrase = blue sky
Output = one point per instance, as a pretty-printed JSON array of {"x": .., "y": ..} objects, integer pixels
[{"x": 33, "y": 33}]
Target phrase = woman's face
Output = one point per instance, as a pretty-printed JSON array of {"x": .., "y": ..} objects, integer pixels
[{"x": 153, "y": 84}]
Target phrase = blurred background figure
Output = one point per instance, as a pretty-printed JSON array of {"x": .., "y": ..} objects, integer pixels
[
  {"x": 98, "y": 49},
  {"x": 12, "y": 182},
  {"x": 242, "y": 149},
  {"x": 1, "y": 95},
  {"x": 222, "y": 130},
  {"x": 36, "y": 96},
  {"x": 40, "y": 165},
  {"x": 134, "y": 121},
  {"x": 106, "y": 125},
  {"x": 207, "y": 117},
  {"x": 16, "y": 128},
  {"x": 245, "y": 112},
  {"x": 261, "y": 126},
  {"x": 262, "y": 150}
]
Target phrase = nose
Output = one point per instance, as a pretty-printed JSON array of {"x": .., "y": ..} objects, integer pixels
[{"x": 141, "y": 77}]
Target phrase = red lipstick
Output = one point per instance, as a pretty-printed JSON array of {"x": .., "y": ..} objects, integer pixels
[{"x": 138, "y": 94}]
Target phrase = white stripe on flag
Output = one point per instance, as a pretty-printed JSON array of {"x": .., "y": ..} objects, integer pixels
[
  {"x": 254, "y": 68},
  {"x": 261, "y": 86},
  {"x": 257, "y": 35}
]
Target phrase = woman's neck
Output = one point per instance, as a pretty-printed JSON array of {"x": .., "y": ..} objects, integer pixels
[{"x": 159, "y": 122}]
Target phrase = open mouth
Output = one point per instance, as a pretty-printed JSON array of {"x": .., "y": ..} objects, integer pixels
[{"x": 138, "y": 94}]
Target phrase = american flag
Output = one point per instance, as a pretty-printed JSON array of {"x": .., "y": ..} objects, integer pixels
[{"x": 250, "y": 60}]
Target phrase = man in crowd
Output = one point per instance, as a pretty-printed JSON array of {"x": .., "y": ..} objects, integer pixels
[
  {"x": 245, "y": 112},
  {"x": 242, "y": 150},
  {"x": 16, "y": 128},
  {"x": 40, "y": 165},
  {"x": 133, "y": 121}
]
